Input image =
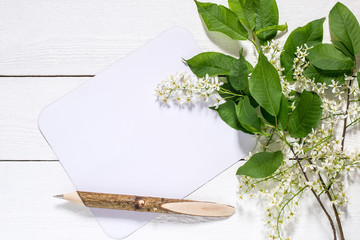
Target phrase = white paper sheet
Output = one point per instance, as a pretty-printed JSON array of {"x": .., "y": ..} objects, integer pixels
[{"x": 111, "y": 135}]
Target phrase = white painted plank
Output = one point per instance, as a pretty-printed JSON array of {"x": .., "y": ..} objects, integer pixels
[
  {"x": 84, "y": 37},
  {"x": 28, "y": 211},
  {"x": 22, "y": 99},
  {"x": 104, "y": 35}
]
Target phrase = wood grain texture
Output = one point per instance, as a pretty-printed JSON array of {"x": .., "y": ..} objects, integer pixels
[
  {"x": 126, "y": 202},
  {"x": 84, "y": 37},
  {"x": 62, "y": 38},
  {"x": 22, "y": 100},
  {"x": 154, "y": 204},
  {"x": 28, "y": 211}
]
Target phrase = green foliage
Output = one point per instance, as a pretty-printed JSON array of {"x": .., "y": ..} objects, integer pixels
[
  {"x": 273, "y": 27},
  {"x": 320, "y": 76},
  {"x": 264, "y": 86},
  {"x": 311, "y": 34},
  {"x": 220, "y": 19},
  {"x": 327, "y": 58},
  {"x": 295, "y": 97},
  {"x": 268, "y": 117},
  {"x": 267, "y": 14},
  {"x": 239, "y": 74},
  {"x": 245, "y": 11},
  {"x": 212, "y": 63},
  {"x": 227, "y": 112},
  {"x": 344, "y": 29},
  {"x": 261, "y": 17},
  {"x": 251, "y": 103},
  {"x": 229, "y": 96},
  {"x": 257, "y": 105},
  {"x": 250, "y": 67},
  {"x": 282, "y": 118},
  {"x": 306, "y": 116},
  {"x": 248, "y": 116},
  {"x": 261, "y": 164}
]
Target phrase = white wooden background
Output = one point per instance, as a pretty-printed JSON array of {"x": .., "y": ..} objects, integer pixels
[{"x": 48, "y": 48}]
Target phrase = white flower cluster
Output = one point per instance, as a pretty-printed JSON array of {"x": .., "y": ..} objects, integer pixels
[
  {"x": 354, "y": 97},
  {"x": 300, "y": 62},
  {"x": 272, "y": 51},
  {"x": 320, "y": 153},
  {"x": 316, "y": 162},
  {"x": 280, "y": 193},
  {"x": 183, "y": 88}
]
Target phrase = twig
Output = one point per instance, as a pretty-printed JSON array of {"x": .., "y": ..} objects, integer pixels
[
  {"x": 345, "y": 120},
  {"x": 338, "y": 221},
  {"x": 327, "y": 188},
  {"x": 314, "y": 193},
  {"x": 342, "y": 149},
  {"x": 283, "y": 207}
]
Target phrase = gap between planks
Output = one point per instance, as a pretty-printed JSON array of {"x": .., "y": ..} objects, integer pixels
[
  {"x": 47, "y": 76},
  {"x": 32, "y": 160},
  {"x": 50, "y": 160}
]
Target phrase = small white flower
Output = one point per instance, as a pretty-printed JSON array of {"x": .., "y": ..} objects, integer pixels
[
  {"x": 216, "y": 84},
  {"x": 184, "y": 88},
  {"x": 218, "y": 101},
  {"x": 335, "y": 86},
  {"x": 292, "y": 107}
]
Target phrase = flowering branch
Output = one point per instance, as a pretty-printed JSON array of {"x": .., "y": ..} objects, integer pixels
[
  {"x": 293, "y": 100},
  {"x": 312, "y": 190},
  {"x": 346, "y": 117},
  {"x": 315, "y": 194}
]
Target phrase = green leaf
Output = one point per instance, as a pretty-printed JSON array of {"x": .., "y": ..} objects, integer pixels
[
  {"x": 268, "y": 117},
  {"x": 311, "y": 34},
  {"x": 250, "y": 67},
  {"x": 212, "y": 63},
  {"x": 248, "y": 116},
  {"x": 264, "y": 86},
  {"x": 358, "y": 79},
  {"x": 339, "y": 45},
  {"x": 327, "y": 58},
  {"x": 306, "y": 116},
  {"x": 295, "y": 98},
  {"x": 261, "y": 164},
  {"x": 344, "y": 28},
  {"x": 273, "y": 27},
  {"x": 227, "y": 113},
  {"x": 239, "y": 74},
  {"x": 282, "y": 117},
  {"x": 267, "y": 14},
  {"x": 220, "y": 19},
  {"x": 320, "y": 76},
  {"x": 245, "y": 11},
  {"x": 253, "y": 102}
]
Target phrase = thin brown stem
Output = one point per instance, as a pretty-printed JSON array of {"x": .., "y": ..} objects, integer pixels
[
  {"x": 327, "y": 192},
  {"x": 342, "y": 236},
  {"x": 346, "y": 118},
  {"x": 342, "y": 149},
  {"x": 315, "y": 194}
]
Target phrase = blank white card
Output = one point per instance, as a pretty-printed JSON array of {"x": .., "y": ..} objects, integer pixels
[{"x": 112, "y": 136}]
